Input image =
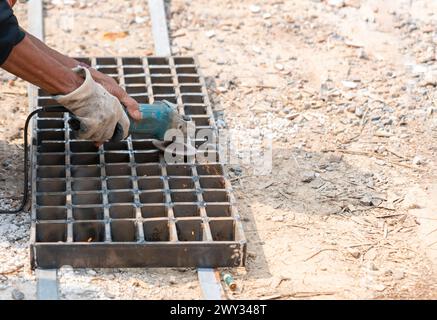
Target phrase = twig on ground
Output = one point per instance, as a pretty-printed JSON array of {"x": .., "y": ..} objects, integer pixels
[
  {"x": 320, "y": 251},
  {"x": 284, "y": 194},
  {"x": 12, "y": 271},
  {"x": 391, "y": 215},
  {"x": 298, "y": 295},
  {"x": 282, "y": 225},
  {"x": 431, "y": 244},
  {"x": 238, "y": 178},
  {"x": 261, "y": 86},
  {"x": 361, "y": 245},
  {"x": 431, "y": 232},
  {"x": 385, "y": 230},
  {"x": 370, "y": 154},
  {"x": 396, "y": 154}
]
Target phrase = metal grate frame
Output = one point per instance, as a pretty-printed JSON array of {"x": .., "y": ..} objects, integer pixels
[{"x": 121, "y": 205}]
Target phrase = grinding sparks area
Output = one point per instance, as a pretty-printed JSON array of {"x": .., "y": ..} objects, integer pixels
[{"x": 122, "y": 204}]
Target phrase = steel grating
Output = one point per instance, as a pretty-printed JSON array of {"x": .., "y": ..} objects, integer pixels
[{"x": 121, "y": 205}]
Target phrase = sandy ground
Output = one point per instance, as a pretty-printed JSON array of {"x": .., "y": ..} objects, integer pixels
[{"x": 346, "y": 89}]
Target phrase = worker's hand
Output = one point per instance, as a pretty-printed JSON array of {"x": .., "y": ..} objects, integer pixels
[
  {"x": 97, "y": 110},
  {"x": 113, "y": 88}
]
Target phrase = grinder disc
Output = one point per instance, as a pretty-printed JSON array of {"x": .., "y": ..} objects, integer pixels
[{"x": 181, "y": 149}]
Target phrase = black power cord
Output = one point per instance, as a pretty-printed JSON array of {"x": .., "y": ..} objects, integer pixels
[
  {"x": 26, "y": 158},
  {"x": 74, "y": 124}
]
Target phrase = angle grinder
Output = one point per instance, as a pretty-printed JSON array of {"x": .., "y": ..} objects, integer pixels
[
  {"x": 169, "y": 130},
  {"x": 161, "y": 122},
  {"x": 157, "y": 119}
]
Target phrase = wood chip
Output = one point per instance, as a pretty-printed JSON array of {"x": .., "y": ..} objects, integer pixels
[{"x": 112, "y": 36}]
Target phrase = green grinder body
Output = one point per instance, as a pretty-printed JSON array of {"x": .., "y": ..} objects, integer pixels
[{"x": 156, "y": 120}]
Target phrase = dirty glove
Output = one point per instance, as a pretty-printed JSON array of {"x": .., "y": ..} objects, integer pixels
[{"x": 97, "y": 110}]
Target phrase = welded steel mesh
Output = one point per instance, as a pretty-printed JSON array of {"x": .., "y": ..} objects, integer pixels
[{"x": 121, "y": 204}]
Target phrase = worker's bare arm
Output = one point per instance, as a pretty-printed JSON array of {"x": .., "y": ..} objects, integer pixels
[
  {"x": 30, "y": 63},
  {"x": 97, "y": 111},
  {"x": 101, "y": 115},
  {"x": 61, "y": 58}
]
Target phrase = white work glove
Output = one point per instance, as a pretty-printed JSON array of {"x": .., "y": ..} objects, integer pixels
[{"x": 97, "y": 110}]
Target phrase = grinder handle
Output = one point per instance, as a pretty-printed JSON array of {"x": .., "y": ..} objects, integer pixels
[{"x": 74, "y": 123}]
